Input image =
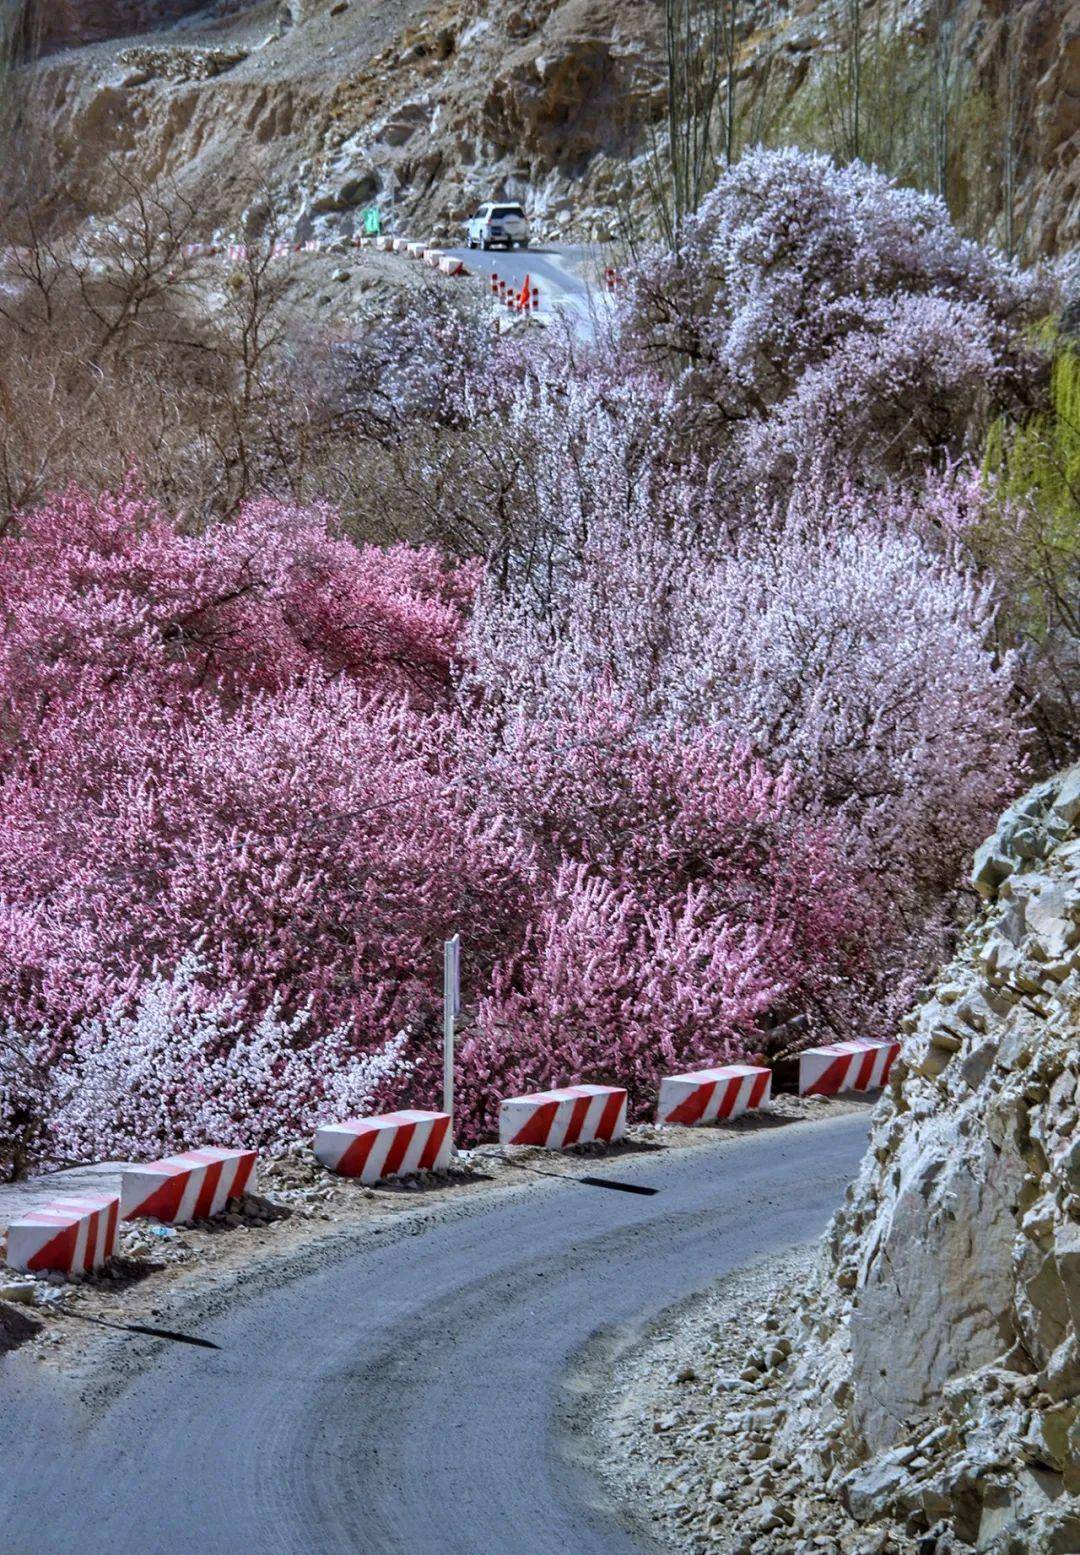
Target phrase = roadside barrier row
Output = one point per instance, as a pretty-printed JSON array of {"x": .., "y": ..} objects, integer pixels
[
  {"x": 78, "y": 1234},
  {"x": 239, "y": 253}
]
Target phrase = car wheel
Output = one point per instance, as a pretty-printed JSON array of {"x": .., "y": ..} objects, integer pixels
[{"x": 484, "y": 245}]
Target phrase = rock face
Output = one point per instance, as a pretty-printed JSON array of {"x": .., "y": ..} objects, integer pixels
[
  {"x": 429, "y": 106},
  {"x": 940, "y": 1379}
]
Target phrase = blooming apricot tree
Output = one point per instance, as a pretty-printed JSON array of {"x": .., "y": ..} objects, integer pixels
[{"x": 789, "y": 258}]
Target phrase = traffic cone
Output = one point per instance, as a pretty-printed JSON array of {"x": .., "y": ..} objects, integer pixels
[{"x": 526, "y": 297}]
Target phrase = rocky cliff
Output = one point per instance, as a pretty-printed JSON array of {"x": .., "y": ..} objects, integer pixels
[
  {"x": 939, "y": 1384},
  {"x": 310, "y": 108}
]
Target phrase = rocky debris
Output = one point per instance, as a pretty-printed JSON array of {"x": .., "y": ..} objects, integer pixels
[
  {"x": 926, "y": 1392},
  {"x": 16, "y": 1326},
  {"x": 143, "y": 63},
  {"x": 692, "y": 1429}
]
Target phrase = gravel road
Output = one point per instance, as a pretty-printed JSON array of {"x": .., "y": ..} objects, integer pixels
[{"x": 410, "y": 1394}]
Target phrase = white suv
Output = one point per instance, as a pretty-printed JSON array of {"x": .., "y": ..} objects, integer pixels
[{"x": 496, "y": 223}]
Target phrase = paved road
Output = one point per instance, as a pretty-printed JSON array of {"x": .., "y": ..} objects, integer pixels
[
  {"x": 561, "y": 274},
  {"x": 406, "y": 1398}
]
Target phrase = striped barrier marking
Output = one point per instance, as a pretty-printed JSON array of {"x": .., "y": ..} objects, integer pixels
[
  {"x": 384, "y": 245},
  {"x": 448, "y": 265},
  {"x": 711, "y": 1095},
  {"x": 71, "y": 1235},
  {"x": 415, "y": 250},
  {"x": 401, "y": 245},
  {"x": 845, "y": 1066},
  {"x": 394, "y": 1145},
  {"x": 555, "y": 1120},
  {"x": 432, "y": 257},
  {"x": 193, "y": 1186}
]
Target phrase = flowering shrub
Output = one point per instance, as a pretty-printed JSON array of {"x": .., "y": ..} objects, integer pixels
[
  {"x": 837, "y": 637},
  {"x": 690, "y": 909},
  {"x": 180, "y": 1064},
  {"x": 101, "y": 592},
  {"x": 238, "y": 742},
  {"x": 311, "y": 839}
]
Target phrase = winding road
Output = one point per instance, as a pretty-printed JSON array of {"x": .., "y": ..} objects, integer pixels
[
  {"x": 407, "y": 1394},
  {"x": 559, "y": 271}
]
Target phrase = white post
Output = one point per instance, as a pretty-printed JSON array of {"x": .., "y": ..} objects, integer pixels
[{"x": 451, "y": 1009}]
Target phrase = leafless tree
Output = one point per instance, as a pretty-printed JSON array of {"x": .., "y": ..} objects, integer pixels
[{"x": 701, "y": 119}]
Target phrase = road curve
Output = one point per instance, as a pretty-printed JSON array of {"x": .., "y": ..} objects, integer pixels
[
  {"x": 558, "y": 271},
  {"x": 406, "y": 1397}
]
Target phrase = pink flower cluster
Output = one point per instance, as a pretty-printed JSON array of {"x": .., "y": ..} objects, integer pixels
[{"x": 237, "y": 752}]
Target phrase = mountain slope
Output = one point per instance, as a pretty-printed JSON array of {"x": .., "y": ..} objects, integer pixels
[{"x": 427, "y": 106}]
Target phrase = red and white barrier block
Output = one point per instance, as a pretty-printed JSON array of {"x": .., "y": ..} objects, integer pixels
[
  {"x": 555, "y": 1120},
  {"x": 394, "y": 1145},
  {"x": 713, "y": 1095},
  {"x": 845, "y": 1066},
  {"x": 71, "y": 1235},
  {"x": 194, "y": 1186}
]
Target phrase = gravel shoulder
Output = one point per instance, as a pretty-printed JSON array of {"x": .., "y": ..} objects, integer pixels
[{"x": 680, "y": 1419}]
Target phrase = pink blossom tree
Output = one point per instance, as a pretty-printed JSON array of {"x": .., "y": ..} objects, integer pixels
[
  {"x": 689, "y": 909},
  {"x": 788, "y": 257},
  {"x": 838, "y": 636},
  {"x": 311, "y": 843},
  {"x": 233, "y": 746},
  {"x": 102, "y": 591}
]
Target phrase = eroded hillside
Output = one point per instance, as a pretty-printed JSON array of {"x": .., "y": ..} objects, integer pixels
[{"x": 311, "y": 109}]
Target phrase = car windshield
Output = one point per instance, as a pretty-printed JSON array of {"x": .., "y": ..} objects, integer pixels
[{"x": 508, "y": 210}]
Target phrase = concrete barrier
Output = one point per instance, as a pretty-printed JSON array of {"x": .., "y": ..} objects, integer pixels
[
  {"x": 394, "y": 1145},
  {"x": 433, "y": 257},
  {"x": 401, "y": 245},
  {"x": 712, "y": 1095},
  {"x": 845, "y": 1066},
  {"x": 415, "y": 250},
  {"x": 70, "y": 1235},
  {"x": 448, "y": 265},
  {"x": 555, "y": 1120},
  {"x": 384, "y": 244},
  {"x": 193, "y": 1186}
]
